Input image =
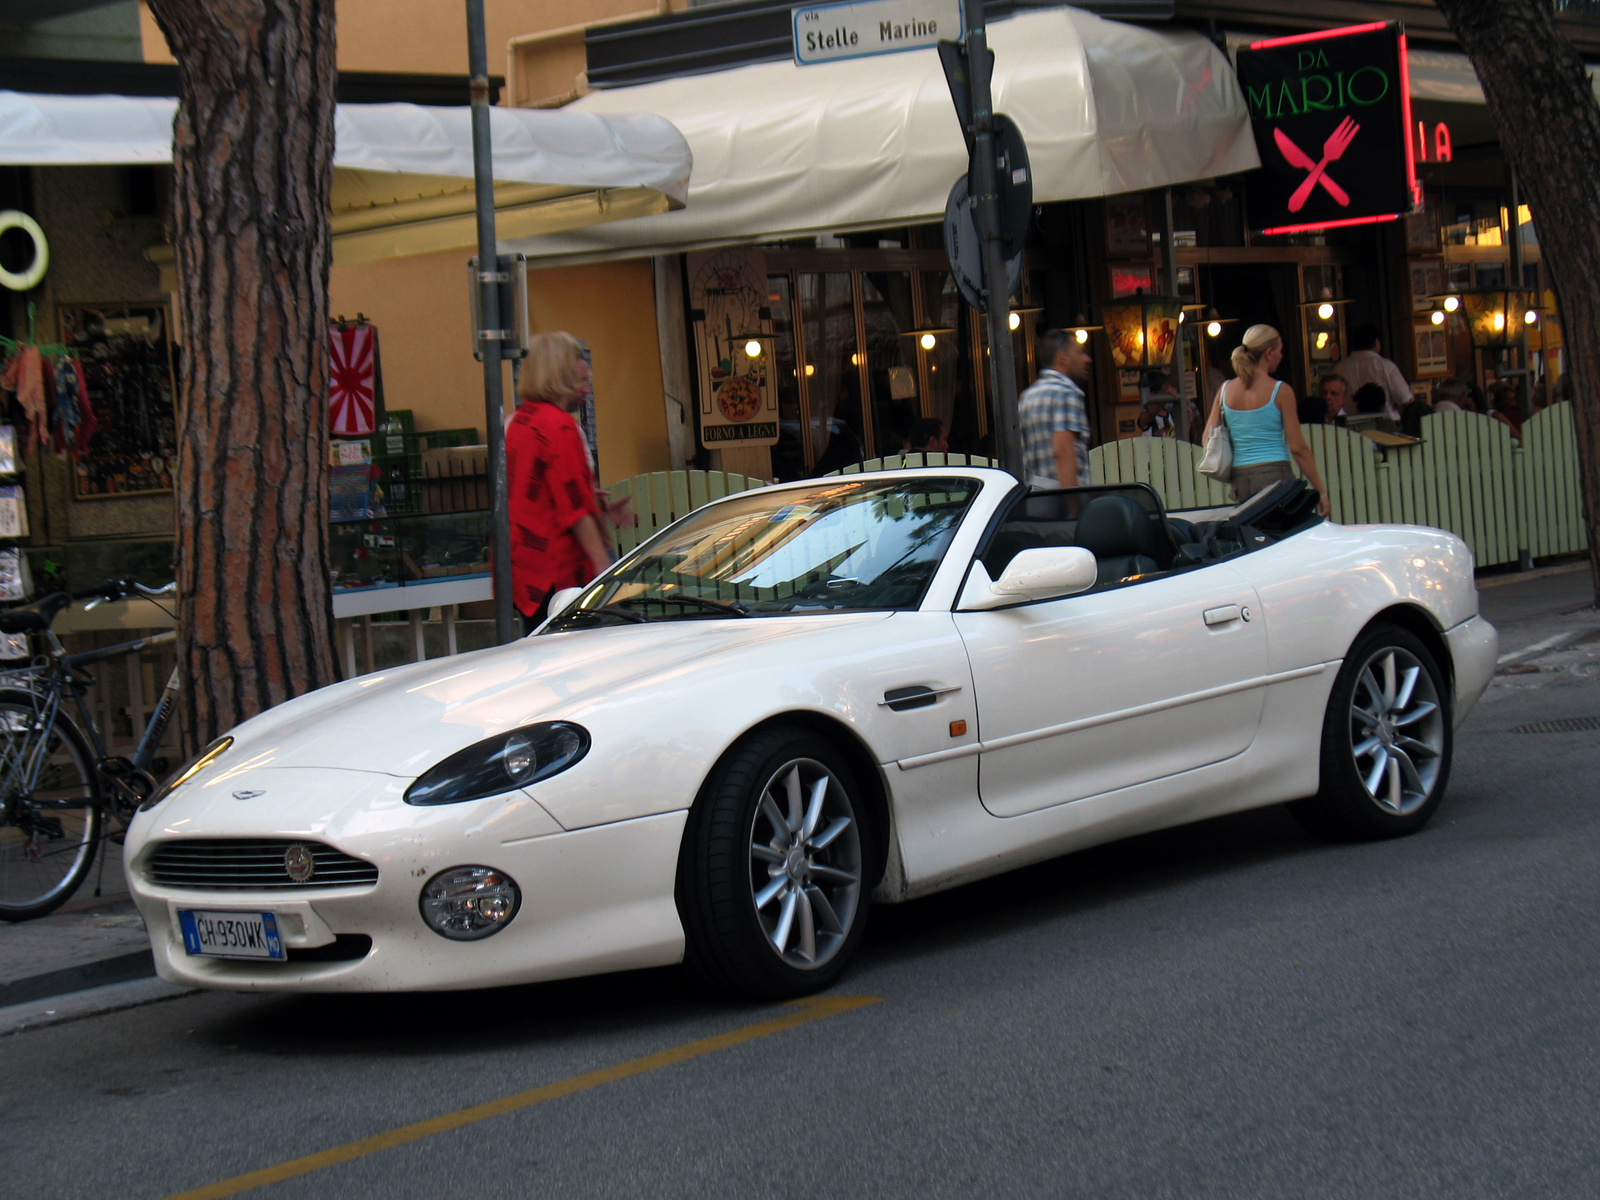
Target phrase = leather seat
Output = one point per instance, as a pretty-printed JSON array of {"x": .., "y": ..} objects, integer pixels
[{"x": 1119, "y": 533}]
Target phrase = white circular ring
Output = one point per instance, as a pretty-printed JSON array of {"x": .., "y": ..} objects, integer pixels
[{"x": 22, "y": 281}]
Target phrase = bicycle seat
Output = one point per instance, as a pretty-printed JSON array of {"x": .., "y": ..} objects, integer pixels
[{"x": 35, "y": 617}]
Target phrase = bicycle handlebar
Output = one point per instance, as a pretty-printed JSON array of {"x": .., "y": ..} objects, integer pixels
[{"x": 115, "y": 589}]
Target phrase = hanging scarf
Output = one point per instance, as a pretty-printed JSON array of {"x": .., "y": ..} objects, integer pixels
[
  {"x": 24, "y": 377},
  {"x": 64, "y": 411}
]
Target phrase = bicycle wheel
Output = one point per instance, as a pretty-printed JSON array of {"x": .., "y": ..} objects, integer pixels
[{"x": 50, "y": 810}]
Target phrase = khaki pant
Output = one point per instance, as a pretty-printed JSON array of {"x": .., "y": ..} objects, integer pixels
[{"x": 1258, "y": 477}]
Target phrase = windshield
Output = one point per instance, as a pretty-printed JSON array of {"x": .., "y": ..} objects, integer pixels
[{"x": 838, "y": 546}]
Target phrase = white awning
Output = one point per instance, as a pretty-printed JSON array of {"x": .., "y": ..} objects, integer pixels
[
  {"x": 403, "y": 172},
  {"x": 784, "y": 151}
]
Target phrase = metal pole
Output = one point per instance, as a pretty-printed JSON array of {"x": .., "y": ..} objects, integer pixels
[
  {"x": 490, "y": 336},
  {"x": 984, "y": 188},
  {"x": 1169, "y": 285}
]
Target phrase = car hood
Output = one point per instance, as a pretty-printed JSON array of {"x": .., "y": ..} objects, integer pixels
[{"x": 402, "y": 721}]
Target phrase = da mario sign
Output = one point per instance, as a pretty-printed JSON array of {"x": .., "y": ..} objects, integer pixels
[{"x": 1332, "y": 118}]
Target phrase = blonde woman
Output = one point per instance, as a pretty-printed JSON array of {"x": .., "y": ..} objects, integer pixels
[
  {"x": 558, "y": 535},
  {"x": 1262, "y": 420}
]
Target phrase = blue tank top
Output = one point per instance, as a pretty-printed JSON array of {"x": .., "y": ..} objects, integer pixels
[{"x": 1257, "y": 433}]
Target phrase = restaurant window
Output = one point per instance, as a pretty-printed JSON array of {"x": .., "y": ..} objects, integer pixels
[{"x": 863, "y": 353}]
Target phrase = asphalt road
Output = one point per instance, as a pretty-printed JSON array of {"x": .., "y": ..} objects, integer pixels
[{"x": 1227, "y": 1010}]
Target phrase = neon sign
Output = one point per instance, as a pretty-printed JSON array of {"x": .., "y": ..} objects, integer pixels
[{"x": 1331, "y": 113}]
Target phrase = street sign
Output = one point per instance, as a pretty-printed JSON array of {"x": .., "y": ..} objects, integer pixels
[
  {"x": 863, "y": 28},
  {"x": 1332, "y": 119},
  {"x": 965, "y": 251}
]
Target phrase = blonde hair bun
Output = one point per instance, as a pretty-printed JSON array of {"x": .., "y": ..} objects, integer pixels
[{"x": 1257, "y": 340}]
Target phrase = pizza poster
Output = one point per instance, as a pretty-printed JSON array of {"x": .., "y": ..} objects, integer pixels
[
  {"x": 732, "y": 334},
  {"x": 1331, "y": 115}
]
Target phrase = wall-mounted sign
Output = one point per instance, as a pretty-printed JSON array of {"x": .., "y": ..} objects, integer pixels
[
  {"x": 862, "y": 28},
  {"x": 1441, "y": 143},
  {"x": 732, "y": 331},
  {"x": 1332, "y": 119}
]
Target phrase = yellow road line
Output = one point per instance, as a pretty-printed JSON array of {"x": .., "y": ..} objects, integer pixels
[{"x": 815, "y": 1009}]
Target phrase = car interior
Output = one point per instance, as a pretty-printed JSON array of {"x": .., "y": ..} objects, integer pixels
[{"x": 1132, "y": 537}]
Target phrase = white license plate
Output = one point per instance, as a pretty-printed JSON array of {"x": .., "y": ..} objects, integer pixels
[{"x": 231, "y": 934}]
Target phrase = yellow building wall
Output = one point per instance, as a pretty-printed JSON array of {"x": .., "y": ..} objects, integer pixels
[
  {"x": 612, "y": 308},
  {"x": 424, "y": 338},
  {"x": 429, "y": 37}
]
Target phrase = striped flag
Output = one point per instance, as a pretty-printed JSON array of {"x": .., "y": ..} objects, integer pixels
[{"x": 352, "y": 379}]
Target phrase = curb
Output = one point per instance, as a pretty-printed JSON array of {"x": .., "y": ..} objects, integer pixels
[
  {"x": 1493, "y": 581},
  {"x": 119, "y": 969},
  {"x": 75, "y": 1006}
]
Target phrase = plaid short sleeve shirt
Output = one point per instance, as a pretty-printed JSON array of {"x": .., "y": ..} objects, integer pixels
[{"x": 1052, "y": 402}]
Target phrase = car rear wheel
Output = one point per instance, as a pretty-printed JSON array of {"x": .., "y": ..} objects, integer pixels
[
  {"x": 1386, "y": 741},
  {"x": 772, "y": 886}
]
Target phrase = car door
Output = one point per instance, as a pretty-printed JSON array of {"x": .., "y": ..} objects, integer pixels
[{"x": 1083, "y": 695}]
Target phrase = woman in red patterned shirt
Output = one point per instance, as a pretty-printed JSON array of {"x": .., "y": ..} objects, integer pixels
[{"x": 558, "y": 536}]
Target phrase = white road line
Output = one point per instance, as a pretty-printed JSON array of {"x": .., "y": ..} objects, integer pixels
[{"x": 1550, "y": 643}]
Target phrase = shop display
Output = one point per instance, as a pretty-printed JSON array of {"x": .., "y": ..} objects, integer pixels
[
  {"x": 397, "y": 551},
  {"x": 126, "y": 439}
]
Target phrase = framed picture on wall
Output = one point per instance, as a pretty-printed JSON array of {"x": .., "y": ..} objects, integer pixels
[
  {"x": 126, "y": 354},
  {"x": 1427, "y": 281},
  {"x": 1127, "y": 226},
  {"x": 1433, "y": 348}
]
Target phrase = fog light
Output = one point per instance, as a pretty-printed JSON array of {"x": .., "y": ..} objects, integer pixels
[{"x": 468, "y": 903}]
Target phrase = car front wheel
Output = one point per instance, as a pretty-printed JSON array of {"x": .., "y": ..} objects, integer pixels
[
  {"x": 772, "y": 884},
  {"x": 1386, "y": 741}
]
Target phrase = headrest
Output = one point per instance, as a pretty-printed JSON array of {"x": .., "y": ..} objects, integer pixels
[{"x": 1112, "y": 526}]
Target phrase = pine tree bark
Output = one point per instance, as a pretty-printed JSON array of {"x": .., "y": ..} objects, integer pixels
[
  {"x": 1544, "y": 109},
  {"x": 252, "y": 179}
]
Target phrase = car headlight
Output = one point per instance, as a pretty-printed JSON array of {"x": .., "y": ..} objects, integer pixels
[
  {"x": 468, "y": 903},
  {"x": 186, "y": 772},
  {"x": 498, "y": 764}
]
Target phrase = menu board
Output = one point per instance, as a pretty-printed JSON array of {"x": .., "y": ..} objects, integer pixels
[{"x": 126, "y": 352}]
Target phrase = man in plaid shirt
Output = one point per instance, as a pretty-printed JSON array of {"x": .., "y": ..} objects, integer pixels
[{"x": 1055, "y": 423}]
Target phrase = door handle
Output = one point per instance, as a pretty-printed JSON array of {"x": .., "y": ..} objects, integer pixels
[{"x": 1221, "y": 616}]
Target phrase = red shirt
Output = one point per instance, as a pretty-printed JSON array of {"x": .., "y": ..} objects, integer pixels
[{"x": 551, "y": 489}]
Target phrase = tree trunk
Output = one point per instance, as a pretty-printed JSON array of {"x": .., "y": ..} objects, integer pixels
[
  {"x": 253, "y": 171},
  {"x": 1549, "y": 125}
]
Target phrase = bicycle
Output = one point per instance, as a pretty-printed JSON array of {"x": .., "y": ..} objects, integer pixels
[{"x": 59, "y": 789}]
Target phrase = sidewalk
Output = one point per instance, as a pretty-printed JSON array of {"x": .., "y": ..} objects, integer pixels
[
  {"x": 93, "y": 947},
  {"x": 92, "y": 954}
]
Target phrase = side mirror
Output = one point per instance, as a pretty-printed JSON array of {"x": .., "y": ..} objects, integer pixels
[
  {"x": 563, "y": 599},
  {"x": 1042, "y": 573}
]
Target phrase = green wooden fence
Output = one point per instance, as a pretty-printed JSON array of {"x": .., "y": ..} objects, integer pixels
[
  {"x": 915, "y": 460},
  {"x": 1466, "y": 475},
  {"x": 661, "y": 497}
]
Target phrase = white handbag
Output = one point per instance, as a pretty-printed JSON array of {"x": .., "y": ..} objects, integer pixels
[{"x": 1217, "y": 459}]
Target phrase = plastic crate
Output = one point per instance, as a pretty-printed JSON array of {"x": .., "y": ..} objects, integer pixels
[
  {"x": 400, "y": 477},
  {"x": 444, "y": 439}
]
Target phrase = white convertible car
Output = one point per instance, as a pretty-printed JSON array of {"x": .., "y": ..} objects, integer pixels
[{"x": 804, "y": 698}]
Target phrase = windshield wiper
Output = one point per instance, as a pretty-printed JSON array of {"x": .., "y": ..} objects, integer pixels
[
  {"x": 573, "y": 615},
  {"x": 726, "y": 607}
]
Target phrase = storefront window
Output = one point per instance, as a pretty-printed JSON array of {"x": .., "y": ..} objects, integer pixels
[
  {"x": 949, "y": 381},
  {"x": 788, "y": 456},
  {"x": 890, "y": 322},
  {"x": 832, "y": 371}
]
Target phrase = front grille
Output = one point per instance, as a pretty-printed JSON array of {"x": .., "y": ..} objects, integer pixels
[{"x": 239, "y": 864}]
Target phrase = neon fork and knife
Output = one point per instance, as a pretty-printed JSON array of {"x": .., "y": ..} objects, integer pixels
[{"x": 1332, "y": 149}]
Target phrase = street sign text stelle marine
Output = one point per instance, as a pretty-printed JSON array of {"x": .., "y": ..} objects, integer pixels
[{"x": 861, "y": 28}]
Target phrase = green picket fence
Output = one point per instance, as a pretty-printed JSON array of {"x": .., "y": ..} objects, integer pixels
[
  {"x": 661, "y": 497},
  {"x": 1466, "y": 475},
  {"x": 915, "y": 460}
]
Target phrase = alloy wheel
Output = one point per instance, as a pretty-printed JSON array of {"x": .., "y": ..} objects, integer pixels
[
  {"x": 805, "y": 863},
  {"x": 1397, "y": 734}
]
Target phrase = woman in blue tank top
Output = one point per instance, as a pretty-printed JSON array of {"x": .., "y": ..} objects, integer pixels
[{"x": 1262, "y": 420}]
